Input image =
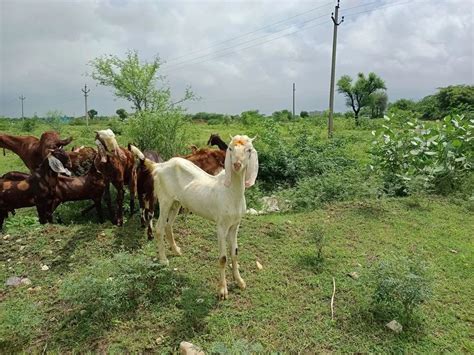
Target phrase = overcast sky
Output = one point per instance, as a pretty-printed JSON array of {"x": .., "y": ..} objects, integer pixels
[{"x": 217, "y": 48}]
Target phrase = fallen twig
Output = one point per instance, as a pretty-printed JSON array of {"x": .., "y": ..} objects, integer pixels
[{"x": 332, "y": 298}]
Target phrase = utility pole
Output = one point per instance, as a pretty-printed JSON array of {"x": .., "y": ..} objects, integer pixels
[
  {"x": 335, "y": 20},
  {"x": 294, "y": 89},
  {"x": 22, "y": 98},
  {"x": 86, "y": 92}
]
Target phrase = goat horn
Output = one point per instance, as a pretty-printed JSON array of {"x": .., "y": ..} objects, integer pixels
[{"x": 252, "y": 139}]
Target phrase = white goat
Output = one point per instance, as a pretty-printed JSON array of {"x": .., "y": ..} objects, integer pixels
[{"x": 219, "y": 198}]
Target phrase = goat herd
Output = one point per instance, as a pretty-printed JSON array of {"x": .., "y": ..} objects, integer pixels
[{"x": 208, "y": 182}]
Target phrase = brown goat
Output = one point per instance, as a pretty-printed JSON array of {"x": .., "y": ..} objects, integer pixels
[
  {"x": 118, "y": 167},
  {"x": 32, "y": 150},
  {"x": 37, "y": 189},
  {"x": 209, "y": 160},
  {"x": 215, "y": 139}
]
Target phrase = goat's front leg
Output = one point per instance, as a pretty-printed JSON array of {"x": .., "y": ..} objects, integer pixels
[
  {"x": 132, "y": 186},
  {"x": 232, "y": 236},
  {"x": 222, "y": 231}
]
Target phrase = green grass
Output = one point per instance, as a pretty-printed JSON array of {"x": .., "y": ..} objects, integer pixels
[{"x": 286, "y": 307}]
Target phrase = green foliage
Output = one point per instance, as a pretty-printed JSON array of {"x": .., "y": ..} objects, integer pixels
[
  {"x": 122, "y": 114},
  {"x": 378, "y": 104},
  {"x": 19, "y": 322},
  {"x": 283, "y": 115},
  {"x": 411, "y": 156},
  {"x": 108, "y": 288},
  {"x": 251, "y": 118},
  {"x": 403, "y": 105},
  {"x": 359, "y": 94},
  {"x": 163, "y": 130},
  {"x": 29, "y": 124},
  {"x": 116, "y": 126},
  {"x": 304, "y": 114},
  {"x": 53, "y": 118},
  {"x": 92, "y": 113},
  {"x": 401, "y": 286},
  {"x": 455, "y": 99}
]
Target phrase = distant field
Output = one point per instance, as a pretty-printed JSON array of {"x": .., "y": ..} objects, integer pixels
[{"x": 81, "y": 305}]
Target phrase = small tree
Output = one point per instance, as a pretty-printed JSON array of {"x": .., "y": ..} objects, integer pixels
[
  {"x": 92, "y": 113},
  {"x": 378, "y": 104},
  {"x": 358, "y": 95},
  {"x": 304, "y": 114},
  {"x": 122, "y": 113}
]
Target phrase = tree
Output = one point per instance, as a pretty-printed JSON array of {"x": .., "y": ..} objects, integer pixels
[
  {"x": 378, "y": 104},
  {"x": 92, "y": 113},
  {"x": 304, "y": 114},
  {"x": 134, "y": 81},
  {"x": 403, "y": 105},
  {"x": 122, "y": 113},
  {"x": 358, "y": 95}
]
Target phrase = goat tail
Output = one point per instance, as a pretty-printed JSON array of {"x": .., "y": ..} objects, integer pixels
[{"x": 139, "y": 155}]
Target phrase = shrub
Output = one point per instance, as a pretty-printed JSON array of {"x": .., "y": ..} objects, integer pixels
[
  {"x": 164, "y": 131},
  {"x": 251, "y": 118},
  {"x": 29, "y": 124},
  {"x": 412, "y": 156},
  {"x": 304, "y": 114},
  {"x": 53, "y": 118},
  {"x": 401, "y": 286},
  {"x": 122, "y": 114}
]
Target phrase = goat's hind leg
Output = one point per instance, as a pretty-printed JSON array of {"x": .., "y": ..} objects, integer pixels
[
  {"x": 160, "y": 233},
  {"x": 169, "y": 228}
]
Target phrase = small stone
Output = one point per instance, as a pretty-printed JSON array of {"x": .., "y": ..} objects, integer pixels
[
  {"x": 175, "y": 269},
  {"x": 199, "y": 300},
  {"x": 252, "y": 211},
  {"x": 186, "y": 348},
  {"x": 289, "y": 222},
  {"x": 6, "y": 236},
  {"x": 45, "y": 267},
  {"x": 82, "y": 312},
  {"x": 13, "y": 281},
  {"x": 8, "y": 260},
  {"x": 22, "y": 247},
  {"x": 159, "y": 340},
  {"x": 354, "y": 275},
  {"x": 50, "y": 252},
  {"x": 18, "y": 240},
  {"x": 394, "y": 326},
  {"x": 259, "y": 266},
  {"x": 454, "y": 251},
  {"x": 26, "y": 281},
  {"x": 57, "y": 240}
]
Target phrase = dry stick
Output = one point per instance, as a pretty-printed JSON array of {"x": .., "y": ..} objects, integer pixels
[{"x": 332, "y": 298}]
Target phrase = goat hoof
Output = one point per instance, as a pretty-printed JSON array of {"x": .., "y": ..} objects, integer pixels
[
  {"x": 177, "y": 251},
  {"x": 223, "y": 293},
  {"x": 164, "y": 262},
  {"x": 241, "y": 283}
]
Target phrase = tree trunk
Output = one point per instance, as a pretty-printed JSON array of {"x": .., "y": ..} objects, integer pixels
[{"x": 356, "y": 116}]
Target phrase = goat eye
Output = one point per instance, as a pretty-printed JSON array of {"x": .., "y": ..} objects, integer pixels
[{"x": 230, "y": 148}]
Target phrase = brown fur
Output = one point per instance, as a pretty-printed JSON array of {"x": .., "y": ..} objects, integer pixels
[
  {"x": 215, "y": 139},
  {"x": 209, "y": 160}
]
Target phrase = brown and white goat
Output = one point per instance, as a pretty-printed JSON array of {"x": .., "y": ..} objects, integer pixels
[
  {"x": 38, "y": 189},
  {"x": 118, "y": 167},
  {"x": 32, "y": 150}
]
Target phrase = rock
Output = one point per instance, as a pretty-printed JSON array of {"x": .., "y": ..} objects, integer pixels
[
  {"x": 354, "y": 275},
  {"x": 394, "y": 326},
  {"x": 13, "y": 281},
  {"x": 6, "y": 236},
  {"x": 186, "y": 348},
  {"x": 45, "y": 267},
  {"x": 159, "y": 340},
  {"x": 252, "y": 211},
  {"x": 34, "y": 289},
  {"x": 454, "y": 251},
  {"x": 26, "y": 281},
  {"x": 259, "y": 266},
  {"x": 22, "y": 247},
  {"x": 270, "y": 204}
]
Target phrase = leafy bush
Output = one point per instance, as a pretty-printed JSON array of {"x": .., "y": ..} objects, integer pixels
[
  {"x": 164, "y": 131},
  {"x": 20, "y": 321},
  {"x": 53, "y": 118},
  {"x": 117, "y": 126},
  {"x": 78, "y": 121},
  {"x": 29, "y": 124},
  {"x": 122, "y": 114},
  {"x": 251, "y": 118},
  {"x": 411, "y": 156},
  {"x": 401, "y": 286},
  {"x": 304, "y": 114}
]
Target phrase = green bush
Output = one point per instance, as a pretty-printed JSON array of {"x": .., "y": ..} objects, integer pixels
[
  {"x": 411, "y": 156},
  {"x": 20, "y": 320},
  {"x": 53, "y": 118},
  {"x": 251, "y": 118},
  {"x": 78, "y": 121},
  {"x": 163, "y": 130},
  {"x": 29, "y": 124},
  {"x": 401, "y": 286}
]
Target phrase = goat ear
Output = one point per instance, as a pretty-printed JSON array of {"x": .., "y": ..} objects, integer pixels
[
  {"x": 231, "y": 138},
  {"x": 56, "y": 166},
  {"x": 228, "y": 169},
  {"x": 252, "y": 169}
]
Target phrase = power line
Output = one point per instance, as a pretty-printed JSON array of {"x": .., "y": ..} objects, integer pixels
[
  {"x": 251, "y": 32},
  {"x": 245, "y": 42}
]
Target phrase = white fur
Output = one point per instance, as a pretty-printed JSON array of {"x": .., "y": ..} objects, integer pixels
[{"x": 219, "y": 198}]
